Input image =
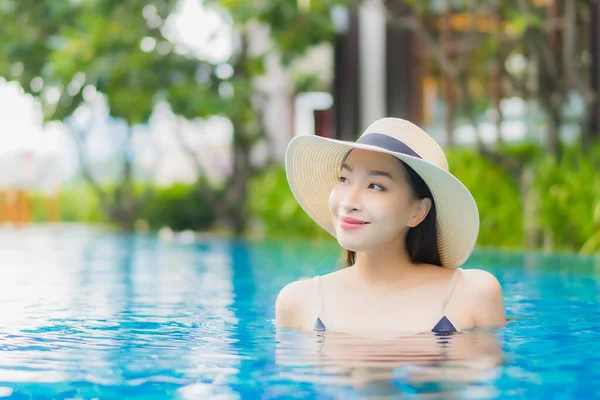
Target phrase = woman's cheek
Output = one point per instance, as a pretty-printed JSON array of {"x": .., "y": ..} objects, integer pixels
[
  {"x": 382, "y": 206},
  {"x": 334, "y": 201}
]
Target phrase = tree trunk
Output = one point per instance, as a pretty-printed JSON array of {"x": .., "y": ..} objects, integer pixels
[
  {"x": 449, "y": 115},
  {"x": 466, "y": 101},
  {"x": 530, "y": 208},
  {"x": 497, "y": 73},
  {"x": 496, "y": 99},
  {"x": 243, "y": 140},
  {"x": 586, "y": 125},
  {"x": 125, "y": 205},
  {"x": 447, "y": 80},
  {"x": 238, "y": 184},
  {"x": 553, "y": 145},
  {"x": 593, "y": 129}
]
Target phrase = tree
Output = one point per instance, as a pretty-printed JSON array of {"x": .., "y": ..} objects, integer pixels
[
  {"x": 118, "y": 48},
  {"x": 62, "y": 50},
  {"x": 550, "y": 35},
  {"x": 470, "y": 42},
  {"x": 292, "y": 30}
]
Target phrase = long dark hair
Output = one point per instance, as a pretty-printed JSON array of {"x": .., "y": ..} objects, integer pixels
[{"x": 421, "y": 241}]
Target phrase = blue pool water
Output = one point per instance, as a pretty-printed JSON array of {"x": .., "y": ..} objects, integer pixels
[{"x": 92, "y": 315}]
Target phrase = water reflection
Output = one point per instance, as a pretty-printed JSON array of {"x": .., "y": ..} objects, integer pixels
[
  {"x": 106, "y": 315},
  {"x": 86, "y": 314},
  {"x": 437, "y": 366}
]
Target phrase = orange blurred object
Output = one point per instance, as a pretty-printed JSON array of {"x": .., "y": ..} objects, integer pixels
[
  {"x": 15, "y": 207},
  {"x": 23, "y": 206}
]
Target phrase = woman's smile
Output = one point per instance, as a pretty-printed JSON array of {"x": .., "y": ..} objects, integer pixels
[{"x": 349, "y": 223}]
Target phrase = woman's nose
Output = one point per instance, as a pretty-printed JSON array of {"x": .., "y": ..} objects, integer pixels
[{"x": 351, "y": 199}]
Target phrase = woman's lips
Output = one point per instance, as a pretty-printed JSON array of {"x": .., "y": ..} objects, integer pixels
[{"x": 348, "y": 224}]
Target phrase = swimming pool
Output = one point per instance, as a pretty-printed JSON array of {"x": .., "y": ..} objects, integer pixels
[{"x": 90, "y": 314}]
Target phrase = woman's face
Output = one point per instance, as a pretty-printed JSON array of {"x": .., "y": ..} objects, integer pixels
[{"x": 372, "y": 204}]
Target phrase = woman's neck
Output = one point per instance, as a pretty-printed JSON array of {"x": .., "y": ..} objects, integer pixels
[{"x": 383, "y": 266}]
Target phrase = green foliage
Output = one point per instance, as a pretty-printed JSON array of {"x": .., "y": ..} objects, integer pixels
[
  {"x": 272, "y": 203},
  {"x": 570, "y": 201},
  {"x": 497, "y": 196},
  {"x": 499, "y": 204},
  {"x": 99, "y": 43},
  {"x": 77, "y": 203},
  {"x": 293, "y": 28},
  {"x": 568, "y": 192},
  {"x": 569, "y": 208},
  {"x": 179, "y": 207},
  {"x": 80, "y": 204},
  {"x": 70, "y": 45},
  {"x": 525, "y": 152},
  {"x": 117, "y": 48}
]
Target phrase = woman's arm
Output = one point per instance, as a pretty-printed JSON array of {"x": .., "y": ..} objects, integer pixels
[{"x": 487, "y": 304}]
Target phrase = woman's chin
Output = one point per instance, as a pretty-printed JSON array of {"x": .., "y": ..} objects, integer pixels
[{"x": 351, "y": 244}]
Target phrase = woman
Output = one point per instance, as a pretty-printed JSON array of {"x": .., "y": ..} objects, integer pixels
[{"x": 406, "y": 225}]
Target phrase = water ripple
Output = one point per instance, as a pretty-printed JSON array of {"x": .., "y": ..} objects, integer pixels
[{"x": 89, "y": 314}]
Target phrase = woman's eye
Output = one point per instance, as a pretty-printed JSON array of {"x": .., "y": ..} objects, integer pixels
[
  {"x": 342, "y": 179},
  {"x": 376, "y": 187}
]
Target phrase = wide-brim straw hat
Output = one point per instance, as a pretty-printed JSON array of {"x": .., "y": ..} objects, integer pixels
[{"x": 313, "y": 163}]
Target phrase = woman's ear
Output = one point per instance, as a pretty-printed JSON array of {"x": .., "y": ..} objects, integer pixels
[{"x": 421, "y": 209}]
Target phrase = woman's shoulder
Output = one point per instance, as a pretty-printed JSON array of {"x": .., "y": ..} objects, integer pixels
[
  {"x": 297, "y": 299},
  {"x": 484, "y": 292},
  {"x": 298, "y": 290},
  {"x": 291, "y": 302},
  {"x": 480, "y": 282},
  {"x": 293, "y": 291}
]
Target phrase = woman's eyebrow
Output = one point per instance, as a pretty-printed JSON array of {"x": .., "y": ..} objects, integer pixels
[
  {"x": 379, "y": 173},
  {"x": 370, "y": 172},
  {"x": 346, "y": 166}
]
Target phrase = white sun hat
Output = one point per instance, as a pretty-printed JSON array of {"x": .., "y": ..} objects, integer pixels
[{"x": 313, "y": 163}]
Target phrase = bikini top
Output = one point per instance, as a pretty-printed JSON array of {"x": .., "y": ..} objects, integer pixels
[{"x": 443, "y": 327}]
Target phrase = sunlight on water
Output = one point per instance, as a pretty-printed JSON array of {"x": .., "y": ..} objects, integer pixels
[
  {"x": 91, "y": 314},
  {"x": 113, "y": 311}
]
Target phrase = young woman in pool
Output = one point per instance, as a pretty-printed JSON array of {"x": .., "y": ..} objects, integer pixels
[{"x": 406, "y": 225}]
